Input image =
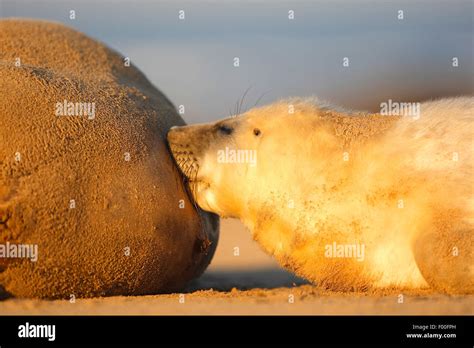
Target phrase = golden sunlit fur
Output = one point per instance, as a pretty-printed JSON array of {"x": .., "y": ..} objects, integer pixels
[{"x": 396, "y": 187}]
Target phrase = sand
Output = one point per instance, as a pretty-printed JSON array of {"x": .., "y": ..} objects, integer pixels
[{"x": 250, "y": 284}]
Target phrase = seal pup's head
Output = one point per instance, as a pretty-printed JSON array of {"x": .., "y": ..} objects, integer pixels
[
  {"x": 216, "y": 158},
  {"x": 235, "y": 164}
]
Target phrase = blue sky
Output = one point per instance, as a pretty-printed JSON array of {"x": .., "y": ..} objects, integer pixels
[{"x": 191, "y": 61}]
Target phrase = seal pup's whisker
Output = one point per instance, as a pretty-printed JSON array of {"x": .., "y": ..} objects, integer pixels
[
  {"x": 260, "y": 98},
  {"x": 242, "y": 100}
]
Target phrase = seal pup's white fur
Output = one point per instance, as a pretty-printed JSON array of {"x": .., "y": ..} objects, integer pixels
[{"x": 347, "y": 200}]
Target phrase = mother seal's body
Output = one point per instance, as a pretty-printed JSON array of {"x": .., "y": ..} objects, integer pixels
[
  {"x": 348, "y": 200},
  {"x": 96, "y": 192}
]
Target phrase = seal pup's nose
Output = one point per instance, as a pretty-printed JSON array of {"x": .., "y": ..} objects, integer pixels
[{"x": 174, "y": 133}]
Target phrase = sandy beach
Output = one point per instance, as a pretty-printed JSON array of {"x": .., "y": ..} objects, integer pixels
[
  {"x": 121, "y": 204},
  {"x": 250, "y": 284}
]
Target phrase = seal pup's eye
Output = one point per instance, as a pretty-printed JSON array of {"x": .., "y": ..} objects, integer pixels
[
  {"x": 225, "y": 129},
  {"x": 257, "y": 132}
]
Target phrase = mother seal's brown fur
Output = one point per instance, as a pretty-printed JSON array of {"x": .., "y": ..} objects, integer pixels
[
  {"x": 348, "y": 200},
  {"x": 100, "y": 196}
]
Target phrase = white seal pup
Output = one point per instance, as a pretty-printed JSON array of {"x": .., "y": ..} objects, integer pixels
[{"x": 350, "y": 201}]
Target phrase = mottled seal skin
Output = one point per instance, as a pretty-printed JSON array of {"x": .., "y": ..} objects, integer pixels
[
  {"x": 347, "y": 200},
  {"x": 132, "y": 228}
]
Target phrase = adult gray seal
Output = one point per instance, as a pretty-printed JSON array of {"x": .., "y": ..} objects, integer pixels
[{"x": 91, "y": 203}]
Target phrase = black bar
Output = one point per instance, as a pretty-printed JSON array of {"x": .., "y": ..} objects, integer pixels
[{"x": 206, "y": 330}]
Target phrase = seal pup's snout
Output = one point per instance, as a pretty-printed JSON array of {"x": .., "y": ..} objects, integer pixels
[
  {"x": 175, "y": 133},
  {"x": 189, "y": 141},
  {"x": 178, "y": 142},
  {"x": 185, "y": 143},
  {"x": 189, "y": 146}
]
